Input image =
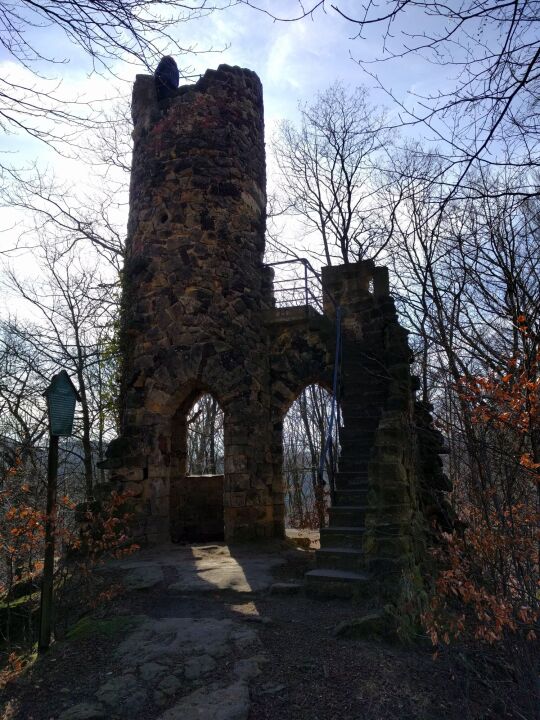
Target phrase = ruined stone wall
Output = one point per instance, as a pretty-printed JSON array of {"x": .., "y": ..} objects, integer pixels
[
  {"x": 407, "y": 503},
  {"x": 199, "y": 316},
  {"x": 393, "y": 521},
  {"x": 194, "y": 293},
  {"x": 301, "y": 346},
  {"x": 379, "y": 436}
]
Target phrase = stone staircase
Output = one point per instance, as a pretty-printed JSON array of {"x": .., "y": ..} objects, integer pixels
[{"x": 340, "y": 562}]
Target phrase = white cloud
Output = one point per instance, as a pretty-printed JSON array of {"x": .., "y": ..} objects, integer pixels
[{"x": 293, "y": 60}]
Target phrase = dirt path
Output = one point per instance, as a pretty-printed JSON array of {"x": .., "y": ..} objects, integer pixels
[{"x": 216, "y": 633}]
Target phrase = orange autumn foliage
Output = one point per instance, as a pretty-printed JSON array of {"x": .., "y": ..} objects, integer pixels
[
  {"x": 22, "y": 528},
  {"x": 490, "y": 584},
  {"x": 83, "y": 538}
]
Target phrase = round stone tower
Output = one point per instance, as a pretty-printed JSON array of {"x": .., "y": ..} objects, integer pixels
[{"x": 195, "y": 290}]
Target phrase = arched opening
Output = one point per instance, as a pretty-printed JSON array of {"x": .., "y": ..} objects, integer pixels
[
  {"x": 205, "y": 437},
  {"x": 308, "y": 481},
  {"x": 197, "y": 470}
]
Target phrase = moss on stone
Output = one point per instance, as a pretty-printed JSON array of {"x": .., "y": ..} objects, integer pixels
[
  {"x": 88, "y": 626},
  {"x": 19, "y": 616}
]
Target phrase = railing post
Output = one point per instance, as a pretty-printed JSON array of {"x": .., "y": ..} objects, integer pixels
[
  {"x": 306, "y": 286},
  {"x": 307, "y": 291}
]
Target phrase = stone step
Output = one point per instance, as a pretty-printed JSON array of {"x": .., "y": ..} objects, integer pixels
[
  {"x": 352, "y": 475},
  {"x": 362, "y": 415},
  {"x": 347, "y": 515},
  {"x": 356, "y": 480},
  {"x": 361, "y": 455},
  {"x": 344, "y": 536},
  {"x": 350, "y": 437},
  {"x": 357, "y": 443},
  {"x": 355, "y": 448},
  {"x": 348, "y": 485},
  {"x": 364, "y": 431},
  {"x": 360, "y": 489},
  {"x": 348, "y": 480},
  {"x": 336, "y": 583},
  {"x": 349, "y": 451},
  {"x": 350, "y": 433},
  {"x": 339, "y": 575},
  {"x": 358, "y": 426},
  {"x": 353, "y": 430},
  {"x": 354, "y": 465},
  {"x": 350, "y": 497},
  {"x": 339, "y": 558},
  {"x": 356, "y": 440}
]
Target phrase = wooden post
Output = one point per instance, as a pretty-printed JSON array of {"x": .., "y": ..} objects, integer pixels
[{"x": 46, "y": 612}]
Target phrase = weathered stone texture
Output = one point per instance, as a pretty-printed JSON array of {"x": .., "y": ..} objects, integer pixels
[
  {"x": 194, "y": 293},
  {"x": 199, "y": 316}
]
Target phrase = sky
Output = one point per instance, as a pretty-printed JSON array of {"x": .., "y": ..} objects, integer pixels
[{"x": 294, "y": 60}]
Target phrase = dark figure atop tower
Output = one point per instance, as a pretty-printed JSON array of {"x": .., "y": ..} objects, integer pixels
[{"x": 167, "y": 77}]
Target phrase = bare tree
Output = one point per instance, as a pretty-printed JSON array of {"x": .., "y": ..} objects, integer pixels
[
  {"x": 304, "y": 433},
  {"x": 22, "y": 412},
  {"x": 77, "y": 216},
  {"x": 469, "y": 286},
  {"x": 329, "y": 177},
  {"x": 134, "y": 31},
  {"x": 205, "y": 437},
  {"x": 489, "y": 115},
  {"x": 75, "y": 308}
]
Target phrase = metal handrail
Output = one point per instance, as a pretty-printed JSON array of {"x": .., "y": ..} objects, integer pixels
[{"x": 307, "y": 292}]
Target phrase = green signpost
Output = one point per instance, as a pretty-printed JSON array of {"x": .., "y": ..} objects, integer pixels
[{"x": 61, "y": 397}]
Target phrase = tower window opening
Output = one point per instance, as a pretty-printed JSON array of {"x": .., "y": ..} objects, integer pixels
[{"x": 205, "y": 441}]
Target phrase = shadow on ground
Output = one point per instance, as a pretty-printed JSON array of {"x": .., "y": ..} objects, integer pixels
[{"x": 217, "y": 632}]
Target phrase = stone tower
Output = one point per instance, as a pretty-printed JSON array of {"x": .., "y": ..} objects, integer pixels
[
  {"x": 194, "y": 293},
  {"x": 199, "y": 315}
]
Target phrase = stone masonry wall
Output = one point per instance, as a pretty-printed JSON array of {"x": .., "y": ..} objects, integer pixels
[
  {"x": 379, "y": 437},
  {"x": 194, "y": 293},
  {"x": 199, "y": 316},
  {"x": 406, "y": 499}
]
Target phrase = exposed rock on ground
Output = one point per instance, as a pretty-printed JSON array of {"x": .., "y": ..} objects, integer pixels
[{"x": 197, "y": 635}]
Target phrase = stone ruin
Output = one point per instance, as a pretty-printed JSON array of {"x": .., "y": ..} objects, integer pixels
[{"x": 199, "y": 316}]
